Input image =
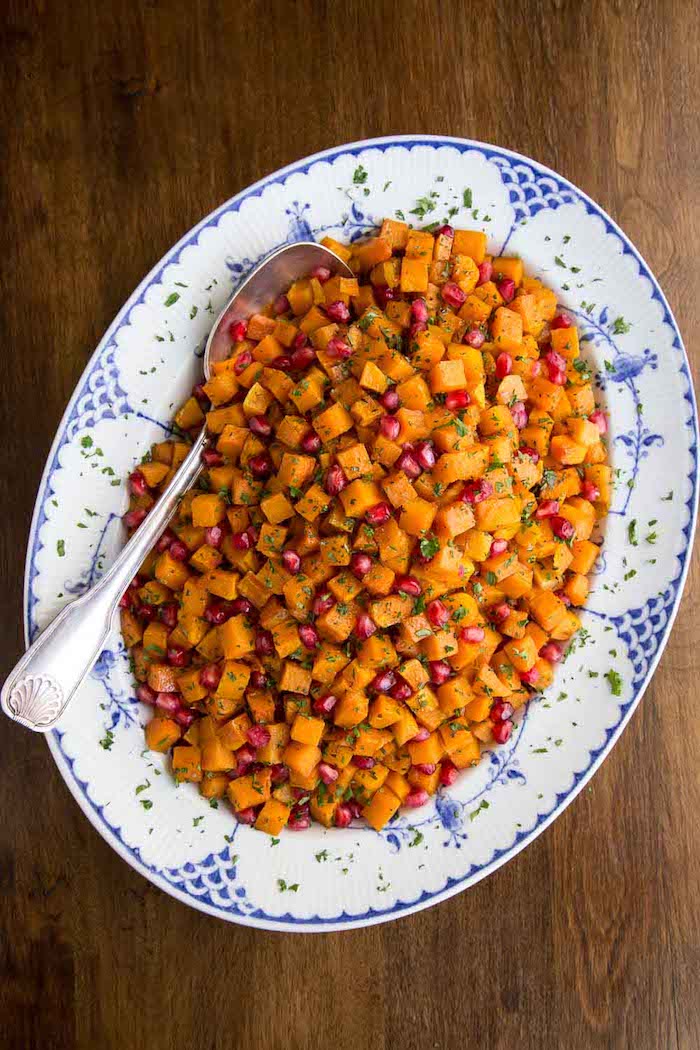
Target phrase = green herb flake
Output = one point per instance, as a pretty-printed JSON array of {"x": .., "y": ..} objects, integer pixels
[
  {"x": 614, "y": 681},
  {"x": 172, "y": 299}
]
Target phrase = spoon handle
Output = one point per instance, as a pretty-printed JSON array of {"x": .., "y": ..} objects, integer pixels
[{"x": 38, "y": 690}]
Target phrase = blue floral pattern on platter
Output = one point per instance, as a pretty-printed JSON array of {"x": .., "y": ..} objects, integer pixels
[{"x": 468, "y": 831}]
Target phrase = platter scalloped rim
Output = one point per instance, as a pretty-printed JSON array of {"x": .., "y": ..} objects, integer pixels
[{"x": 320, "y": 881}]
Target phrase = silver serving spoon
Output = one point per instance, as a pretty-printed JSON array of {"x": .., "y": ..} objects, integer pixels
[{"x": 38, "y": 690}]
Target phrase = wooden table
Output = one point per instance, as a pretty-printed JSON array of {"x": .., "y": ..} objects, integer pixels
[{"x": 122, "y": 124}]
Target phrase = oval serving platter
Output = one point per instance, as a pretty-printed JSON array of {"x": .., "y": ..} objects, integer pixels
[{"x": 145, "y": 364}]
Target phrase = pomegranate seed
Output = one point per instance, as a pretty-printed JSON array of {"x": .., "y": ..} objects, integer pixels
[
  {"x": 328, "y": 774},
  {"x": 501, "y": 711},
  {"x": 390, "y": 427},
  {"x": 504, "y": 366},
  {"x": 321, "y": 273},
  {"x": 167, "y": 614},
  {"x": 212, "y": 458},
  {"x": 177, "y": 656},
  {"x": 240, "y": 541},
  {"x": 241, "y": 605},
  {"x": 323, "y": 705},
  {"x": 501, "y": 612},
  {"x": 264, "y": 643},
  {"x": 291, "y": 561},
  {"x": 562, "y": 320},
  {"x": 407, "y": 585},
  {"x": 390, "y": 400},
  {"x": 238, "y": 331},
  {"x": 472, "y": 635},
  {"x": 474, "y": 337},
  {"x": 309, "y": 636},
  {"x": 555, "y": 360},
  {"x": 476, "y": 491},
  {"x": 246, "y": 816},
  {"x": 343, "y": 815},
  {"x": 335, "y": 481},
  {"x": 564, "y": 597},
  {"x": 420, "y": 736},
  {"x": 437, "y": 613},
  {"x": 281, "y": 305},
  {"x": 535, "y": 368},
  {"x": 179, "y": 551},
  {"x": 409, "y": 465},
  {"x": 253, "y": 534},
  {"x": 485, "y": 272},
  {"x": 440, "y": 671},
  {"x": 519, "y": 414},
  {"x": 137, "y": 483},
  {"x": 200, "y": 394},
  {"x": 383, "y": 682},
  {"x": 258, "y": 680},
  {"x": 531, "y": 453},
  {"x": 379, "y": 514},
  {"x": 216, "y": 613},
  {"x": 165, "y": 540},
  {"x": 419, "y": 311},
  {"x": 530, "y": 677},
  {"x": 445, "y": 231},
  {"x": 506, "y": 288},
  {"x": 557, "y": 377},
  {"x": 401, "y": 691},
  {"x": 146, "y": 612},
  {"x": 301, "y": 359},
  {"x": 456, "y": 400},
  {"x": 299, "y": 819},
  {"x": 184, "y": 718},
  {"x": 213, "y": 536},
  {"x": 600, "y": 419},
  {"x": 260, "y": 465},
  {"x": 338, "y": 349},
  {"x": 552, "y": 652},
  {"x": 363, "y": 762},
  {"x": 501, "y": 731},
  {"x": 338, "y": 312},
  {"x": 590, "y": 491},
  {"x": 168, "y": 702},
  {"x": 453, "y": 295},
  {"x": 259, "y": 426},
  {"x": 301, "y": 339},
  {"x": 384, "y": 295},
  {"x": 547, "y": 508},
  {"x": 426, "y": 767},
  {"x": 133, "y": 518},
  {"x": 415, "y": 798},
  {"x": 425, "y": 455},
  {"x": 415, "y": 330},
  {"x": 146, "y": 695},
  {"x": 360, "y": 564},
  {"x": 365, "y": 626},
  {"x": 562, "y": 528},
  {"x": 210, "y": 676},
  {"x": 258, "y": 736},
  {"x": 127, "y": 600},
  {"x": 279, "y": 774},
  {"x": 310, "y": 442},
  {"x": 498, "y": 547},
  {"x": 448, "y": 773},
  {"x": 244, "y": 359},
  {"x": 322, "y": 603},
  {"x": 245, "y": 757}
]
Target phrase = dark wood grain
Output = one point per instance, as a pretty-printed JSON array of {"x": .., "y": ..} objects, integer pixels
[{"x": 121, "y": 124}]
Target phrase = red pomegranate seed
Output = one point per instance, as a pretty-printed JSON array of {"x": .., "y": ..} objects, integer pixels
[
  {"x": 485, "y": 272},
  {"x": 476, "y": 491},
  {"x": 335, "y": 481},
  {"x": 383, "y": 682},
  {"x": 338, "y": 312},
  {"x": 200, "y": 394},
  {"x": 133, "y": 518},
  {"x": 210, "y": 676},
  {"x": 259, "y": 426},
  {"x": 590, "y": 491},
  {"x": 146, "y": 695},
  {"x": 562, "y": 320},
  {"x": 600, "y": 419},
  {"x": 179, "y": 551},
  {"x": 167, "y": 614},
  {"x": 407, "y": 585},
  {"x": 279, "y": 774},
  {"x": 241, "y": 605},
  {"x": 501, "y": 711},
  {"x": 415, "y": 798},
  {"x": 519, "y": 413},
  {"x": 409, "y": 465},
  {"x": 535, "y": 368},
  {"x": 321, "y": 273},
  {"x": 531, "y": 453},
  {"x": 472, "y": 635},
  {"x": 384, "y": 295},
  {"x": 448, "y": 773},
  {"x": 283, "y": 363},
  {"x": 552, "y": 652},
  {"x": 379, "y": 514},
  {"x": 506, "y": 288},
  {"x": 561, "y": 527},
  {"x": 437, "y": 613},
  {"x": 168, "y": 702},
  {"x": 425, "y": 455},
  {"x": 323, "y": 705},
  {"x": 258, "y": 736},
  {"x": 328, "y": 773},
  {"x": 363, "y": 762},
  {"x": 291, "y": 561},
  {"x": 530, "y": 677},
  {"x": 177, "y": 656},
  {"x": 310, "y": 443},
  {"x": 147, "y": 612},
  {"x": 184, "y": 718},
  {"x": 456, "y": 400},
  {"x": 401, "y": 691},
  {"x": 258, "y": 680},
  {"x": 474, "y": 337},
  {"x": 238, "y": 331},
  {"x": 504, "y": 366},
  {"x": 564, "y": 597},
  {"x": 308, "y": 636},
  {"x": 260, "y": 465},
  {"x": 555, "y": 360},
  {"x": 246, "y": 816},
  {"x": 501, "y": 612},
  {"x": 302, "y": 358},
  {"x": 213, "y": 536},
  {"x": 216, "y": 613},
  {"x": 557, "y": 377},
  {"x": 453, "y": 295},
  {"x": 244, "y": 359},
  {"x": 419, "y": 311},
  {"x": 240, "y": 541},
  {"x": 414, "y": 331},
  {"x": 365, "y": 626},
  {"x": 338, "y": 349},
  {"x": 322, "y": 603},
  {"x": 299, "y": 819},
  {"x": 212, "y": 458},
  {"x": 281, "y": 304},
  {"x": 420, "y": 736},
  {"x": 390, "y": 400},
  {"x": 264, "y": 643},
  {"x": 426, "y": 767},
  {"x": 343, "y": 815},
  {"x": 440, "y": 671},
  {"x": 390, "y": 427},
  {"x": 501, "y": 731},
  {"x": 245, "y": 757},
  {"x": 301, "y": 339},
  {"x": 127, "y": 600},
  {"x": 360, "y": 564},
  {"x": 445, "y": 231},
  {"x": 498, "y": 547},
  {"x": 547, "y": 508},
  {"x": 165, "y": 540},
  {"x": 137, "y": 483}
]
